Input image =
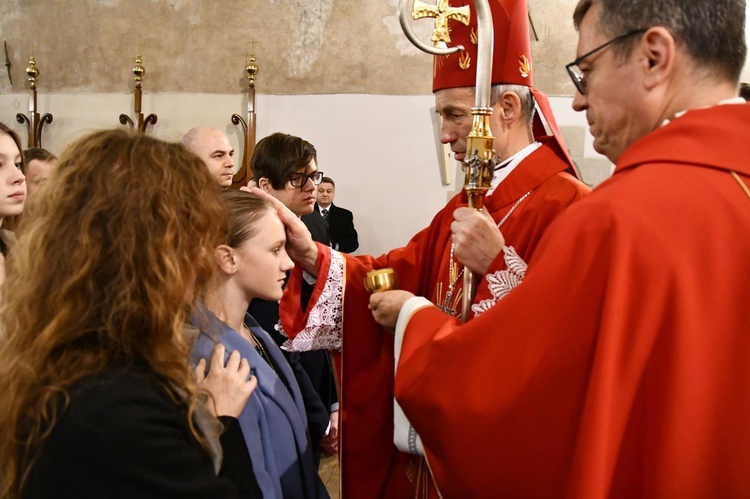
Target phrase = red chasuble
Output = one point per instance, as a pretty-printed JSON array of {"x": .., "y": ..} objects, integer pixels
[
  {"x": 371, "y": 466},
  {"x": 620, "y": 367}
]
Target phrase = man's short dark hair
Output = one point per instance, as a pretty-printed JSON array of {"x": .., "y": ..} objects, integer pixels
[
  {"x": 328, "y": 180},
  {"x": 712, "y": 31},
  {"x": 745, "y": 91},
  {"x": 37, "y": 153},
  {"x": 279, "y": 155}
]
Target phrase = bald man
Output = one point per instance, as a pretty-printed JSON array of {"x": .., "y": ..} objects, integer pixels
[
  {"x": 213, "y": 147},
  {"x": 39, "y": 165}
]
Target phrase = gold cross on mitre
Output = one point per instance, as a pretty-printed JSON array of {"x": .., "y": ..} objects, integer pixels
[{"x": 442, "y": 12}]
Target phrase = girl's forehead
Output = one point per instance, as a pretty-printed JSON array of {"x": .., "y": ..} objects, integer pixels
[{"x": 8, "y": 146}]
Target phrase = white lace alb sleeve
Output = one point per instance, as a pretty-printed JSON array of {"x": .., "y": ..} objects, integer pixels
[
  {"x": 503, "y": 281},
  {"x": 325, "y": 320}
]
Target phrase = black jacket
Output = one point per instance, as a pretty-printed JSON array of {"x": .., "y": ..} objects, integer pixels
[
  {"x": 122, "y": 436},
  {"x": 317, "y": 227}
]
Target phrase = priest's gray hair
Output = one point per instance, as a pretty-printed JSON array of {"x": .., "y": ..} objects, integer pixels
[
  {"x": 524, "y": 94},
  {"x": 711, "y": 31}
]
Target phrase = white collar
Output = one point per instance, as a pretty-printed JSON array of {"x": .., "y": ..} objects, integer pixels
[{"x": 512, "y": 163}]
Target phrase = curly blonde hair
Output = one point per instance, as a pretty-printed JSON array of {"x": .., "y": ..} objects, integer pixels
[{"x": 103, "y": 272}]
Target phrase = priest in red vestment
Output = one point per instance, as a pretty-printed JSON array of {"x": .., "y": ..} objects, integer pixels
[
  {"x": 619, "y": 366},
  {"x": 533, "y": 185}
]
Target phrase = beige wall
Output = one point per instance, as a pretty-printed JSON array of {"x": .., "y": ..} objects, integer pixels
[{"x": 199, "y": 46}]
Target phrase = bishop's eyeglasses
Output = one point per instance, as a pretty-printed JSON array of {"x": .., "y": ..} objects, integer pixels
[
  {"x": 300, "y": 179},
  {"x": 575, "y": 72}
]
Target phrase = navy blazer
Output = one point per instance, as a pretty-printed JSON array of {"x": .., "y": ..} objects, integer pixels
[{"x": 273, "y": 422}]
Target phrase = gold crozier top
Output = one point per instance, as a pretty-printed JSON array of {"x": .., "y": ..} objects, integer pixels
[{"x": 442, "y": 12}]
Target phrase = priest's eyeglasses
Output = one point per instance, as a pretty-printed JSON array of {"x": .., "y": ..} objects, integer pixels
[
  {"x": 575, "y": 72},
  {"x": 300, "y": 179}
]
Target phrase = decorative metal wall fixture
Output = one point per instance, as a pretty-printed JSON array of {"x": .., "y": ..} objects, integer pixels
[
  {"x": 34, "y": 122},
  {"x": 244, "y": 174},
  {"x": 140, "y": 123}
]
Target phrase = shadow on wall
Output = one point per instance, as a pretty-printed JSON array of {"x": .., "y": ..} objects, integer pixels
[{"x": 593, "y": 167}]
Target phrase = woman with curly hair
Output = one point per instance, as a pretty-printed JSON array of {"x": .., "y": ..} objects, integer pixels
[{"x": 98, "y": 398}]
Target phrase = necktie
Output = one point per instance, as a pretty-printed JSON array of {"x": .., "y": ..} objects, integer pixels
[{"x": 324, "y": 212}]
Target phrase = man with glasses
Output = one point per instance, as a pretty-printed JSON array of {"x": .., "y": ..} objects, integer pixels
[
  {"x": 618, "y": 367},
  {"x": 286, "y": 167},
  {"x": 533, "y": 183}
]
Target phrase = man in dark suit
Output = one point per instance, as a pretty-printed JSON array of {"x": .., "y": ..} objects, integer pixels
[{"x": 340, "y": 221}]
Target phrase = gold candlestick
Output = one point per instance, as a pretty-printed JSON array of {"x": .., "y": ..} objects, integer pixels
[
  {"x": 140, "y": 122},
  {"x": 244, "y": 174},
  {"x": 34, "y": 122}
]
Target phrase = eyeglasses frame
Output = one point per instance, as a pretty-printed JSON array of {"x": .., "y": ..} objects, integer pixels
[
  {"x": 577, "y": 77},
  {"x": 307, "y": 176}
]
